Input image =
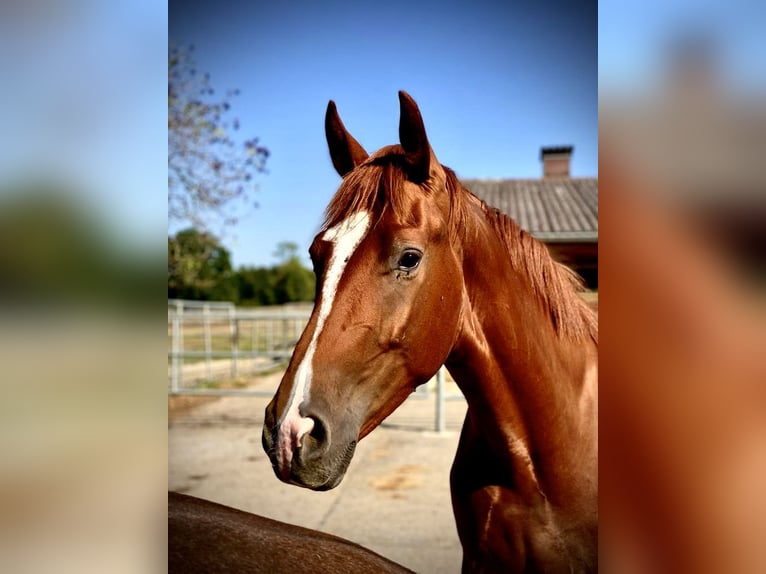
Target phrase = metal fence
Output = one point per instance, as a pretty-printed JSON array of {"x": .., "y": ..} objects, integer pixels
[{"x": 209, "y": 342}]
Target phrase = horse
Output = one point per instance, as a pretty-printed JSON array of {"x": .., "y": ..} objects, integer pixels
[
  {"x": 413, "y": 271},
  {"x": 207, "y": 537}
]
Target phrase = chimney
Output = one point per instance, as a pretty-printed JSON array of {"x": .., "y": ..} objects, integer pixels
[{"x": 556, "y": 161}]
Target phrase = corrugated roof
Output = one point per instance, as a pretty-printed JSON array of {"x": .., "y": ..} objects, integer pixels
[{"x": 563, "y": 209}]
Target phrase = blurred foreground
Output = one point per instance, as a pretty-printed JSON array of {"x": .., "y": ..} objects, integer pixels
[
  {"x": 83, "y": 181},
  {"x": 682, "y": 306},
  {"x": 82, "y": 434}
]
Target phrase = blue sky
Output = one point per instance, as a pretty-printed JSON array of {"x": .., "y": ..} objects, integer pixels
[{"x": 494, "y": 83}]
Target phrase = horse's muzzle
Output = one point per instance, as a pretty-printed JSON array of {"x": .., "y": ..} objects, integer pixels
[{"x": 311, "y": 455}]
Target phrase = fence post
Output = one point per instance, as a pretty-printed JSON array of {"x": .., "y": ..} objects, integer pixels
[
  {"x": 440, "y": 422},
  {"x": 234, "y": 332},
  {"x": 175, "y": 375},
  {"x": 208, "y": 341},
  {"x": 284, "y": 332}
]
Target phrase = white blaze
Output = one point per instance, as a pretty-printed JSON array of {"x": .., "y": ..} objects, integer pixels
[{"x": 345, "y": 237}]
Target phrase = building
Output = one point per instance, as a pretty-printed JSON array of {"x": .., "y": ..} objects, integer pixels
[{"x": 559, "y": 210}]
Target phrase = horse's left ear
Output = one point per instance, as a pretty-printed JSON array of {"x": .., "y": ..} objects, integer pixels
[
  {"x": 346, "y": 153},
  {"x": 412, "y": 136}
]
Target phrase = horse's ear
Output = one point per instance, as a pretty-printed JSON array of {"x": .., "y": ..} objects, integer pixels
[
  {"x": 345, "y": 151},
  {"x": 412, "y": 136}
]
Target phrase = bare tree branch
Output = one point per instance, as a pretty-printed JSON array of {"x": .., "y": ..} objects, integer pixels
[{"x": 209, "y": 168}]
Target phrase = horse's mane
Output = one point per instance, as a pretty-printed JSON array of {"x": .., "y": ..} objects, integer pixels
[
  {"x": 556, "y": 286},
  {"x": 377, "y": 185}
]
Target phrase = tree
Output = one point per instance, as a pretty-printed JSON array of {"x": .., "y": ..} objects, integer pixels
[
  {"x": 256, "y": 286},
  {"x": 293, "y": 282},
  {"x": 208, "y": 168},
  {"x": 286, "y": 251},
  {"x": 199, "y": 267}
]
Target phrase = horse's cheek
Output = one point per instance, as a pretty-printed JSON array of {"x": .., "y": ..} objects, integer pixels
[{"x": 439, "y": 323}]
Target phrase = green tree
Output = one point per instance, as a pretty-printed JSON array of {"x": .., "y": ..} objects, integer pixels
[
  {"x": 286, "y": 251},
  {"x": 293, "y": 282},
  {"x": 199, "y": 267},
  {"x": 256, "y": 286},
  {"x": 208, "y": 167}
]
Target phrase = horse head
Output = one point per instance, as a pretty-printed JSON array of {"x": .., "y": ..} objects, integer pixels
[{"x": 388, "y": 305}]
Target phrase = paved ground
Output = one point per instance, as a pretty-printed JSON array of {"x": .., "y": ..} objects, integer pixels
[{"x": 394, "y": 499}]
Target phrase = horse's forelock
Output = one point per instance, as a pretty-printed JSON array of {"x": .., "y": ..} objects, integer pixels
[{"x": 378, "y": 186}]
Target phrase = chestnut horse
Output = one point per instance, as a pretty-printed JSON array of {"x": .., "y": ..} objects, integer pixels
[
  {"x": 207, "y": 537},
  {"x": 414, "y": 271}
]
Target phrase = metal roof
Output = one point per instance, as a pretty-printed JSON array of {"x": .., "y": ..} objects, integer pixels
[{"x": 554, "y": 209}]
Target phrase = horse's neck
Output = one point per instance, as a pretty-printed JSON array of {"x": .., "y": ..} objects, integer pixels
[{"x": 531, "y": 393}]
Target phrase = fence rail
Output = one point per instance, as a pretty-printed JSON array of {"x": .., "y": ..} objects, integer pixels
[{"x": 216, "y": 341}]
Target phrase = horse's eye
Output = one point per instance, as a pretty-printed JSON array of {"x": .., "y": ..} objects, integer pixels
[{"x": 409, "y": 260}]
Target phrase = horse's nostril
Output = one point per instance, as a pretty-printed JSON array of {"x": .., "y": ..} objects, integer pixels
[
  {"x": 301, "y": 429},
  {"x": 319, "y": 432}
]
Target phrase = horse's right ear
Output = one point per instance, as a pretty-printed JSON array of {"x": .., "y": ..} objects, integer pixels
[
  {"x": 412, "y": 136},
  {"x": 346, "y": 153}
]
